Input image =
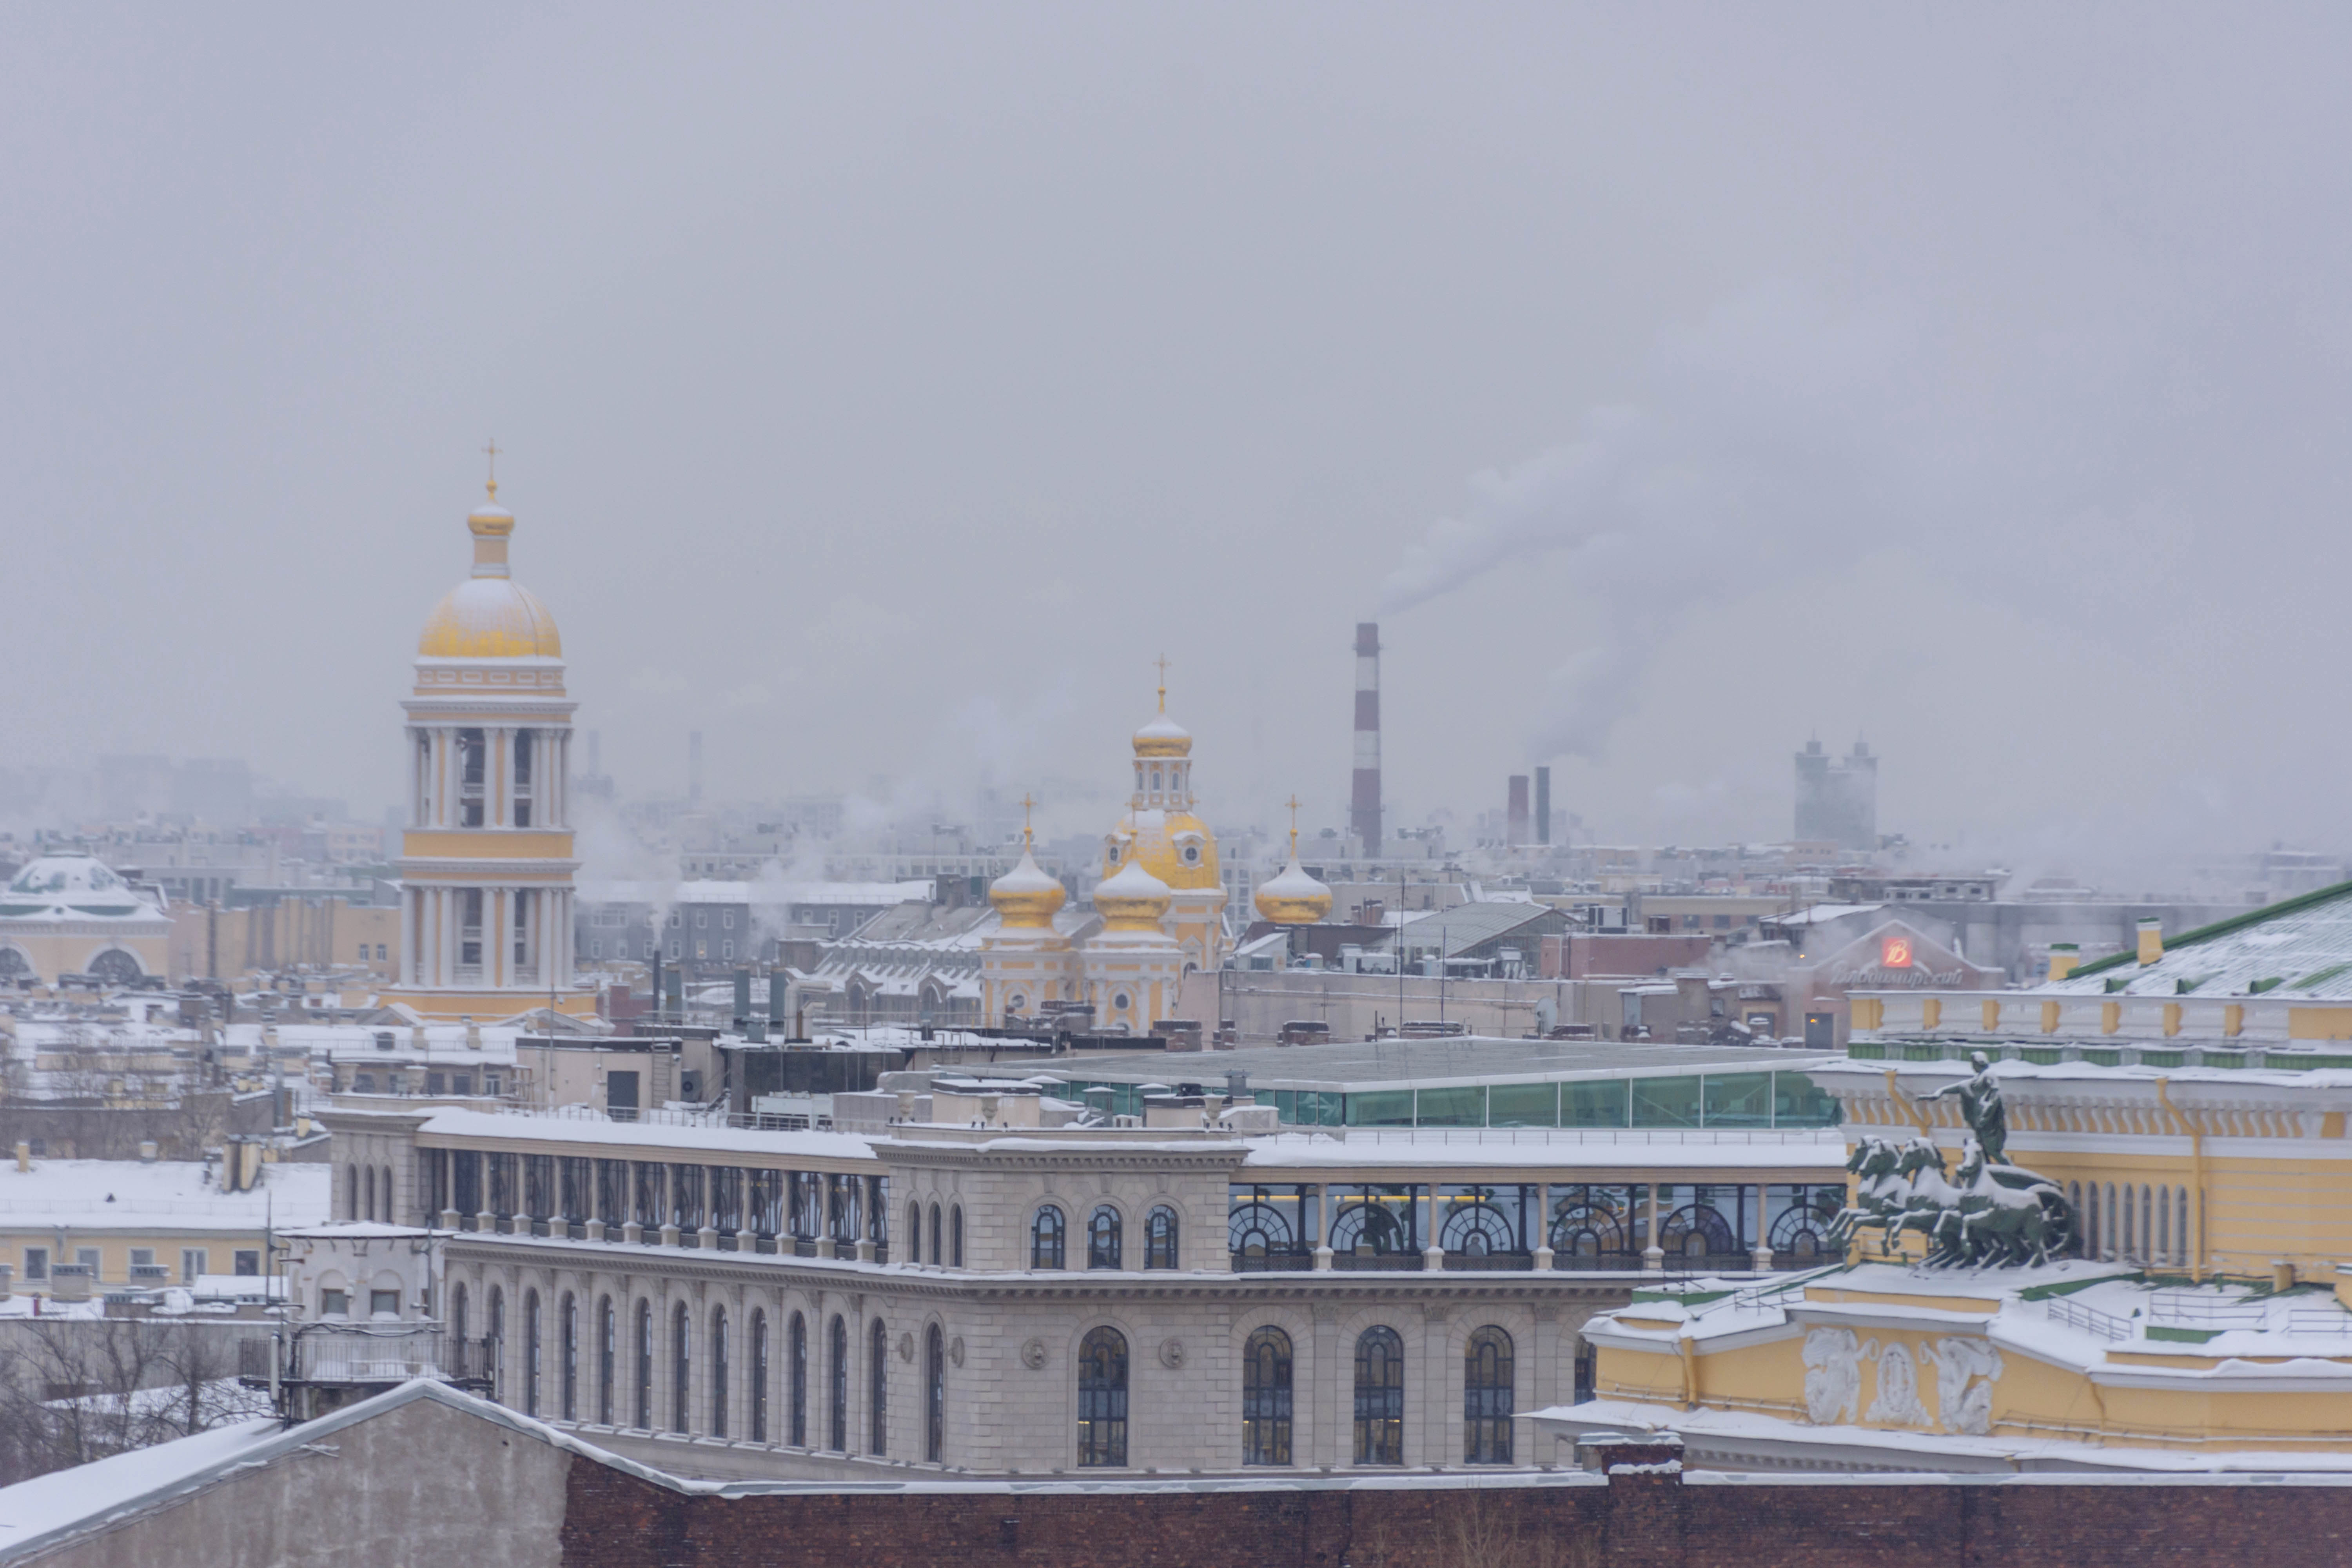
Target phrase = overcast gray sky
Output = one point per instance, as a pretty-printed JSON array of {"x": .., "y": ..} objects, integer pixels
[{"x": 884, "y": 387}]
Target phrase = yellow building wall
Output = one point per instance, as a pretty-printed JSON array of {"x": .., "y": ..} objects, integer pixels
[
  {"x": 115, "y": 1247},
  {"x": 222, "y": 944}
]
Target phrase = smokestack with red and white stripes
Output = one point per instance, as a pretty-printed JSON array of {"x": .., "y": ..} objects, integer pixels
[{"x": 1364, "y": 803}]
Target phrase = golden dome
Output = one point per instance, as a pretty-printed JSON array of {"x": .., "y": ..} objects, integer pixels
[
  {"x": 1292, "y": 898},
  {"x": 490, "y": 615},
  {"x": 1163, "y": 737},
  {"x": 1134, "y": 899},
  {"x": 1026, "y": 896}
]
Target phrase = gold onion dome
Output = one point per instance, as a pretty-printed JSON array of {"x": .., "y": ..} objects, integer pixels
[
  {"x": 489, "y": 615},
  {"x": 1134, "y": 899},
  {"x": 1163, "y": 737},
  {"x": 1292, "y": 898},
  {"x": 1026, "y": 896}
]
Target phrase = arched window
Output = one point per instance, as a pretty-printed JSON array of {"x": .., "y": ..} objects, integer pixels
[
  {"x": 368, "y": 1176},
  {"x": 840, "y": 1389},
  {"x": 936, "y": 1257},
  {"x": 2074, "y": 1203},
  {"x": 606, "y": 1350},
  {"x": 718, "y": 1372},
  {"x": 1486, "y": 1398},
  {"x": 681, "y": 1370},
  {"x": 1103, "y": 1237},
  {"x": 2164, "y": 1225},
  {"x": 383, "y": 1195},
  {"x": 877, "y": 1390},
  {"x": 1380, "y": 1397},
  {"x": 796, "y": 1361},
  {"x": 467, "y": 1362},
  {"x": 955, "y": 1237},
  {"x": 2187, "y": 1236},
  {"x": 1266, "y": 1398},
  {"x": 1102, "y": 1398},
  {"x": 568, "y": 1328},
  {"x": 530, "y": 1353},
  {"x": 935, "y": 1390},
  {"x": 646, "y": 1366},
  {"x": 1045, "y": 1238},
  {"x": 914, "y": 1233},
  {"x": 494, "y": 1329},
  {"x": 1160, "y": 1238}
]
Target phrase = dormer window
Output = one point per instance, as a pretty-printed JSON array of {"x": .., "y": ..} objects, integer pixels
[{"x": 1112, "y": 855}]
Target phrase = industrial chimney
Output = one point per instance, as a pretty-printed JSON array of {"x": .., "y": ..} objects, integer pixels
[{"x": 1364, "y": 800}]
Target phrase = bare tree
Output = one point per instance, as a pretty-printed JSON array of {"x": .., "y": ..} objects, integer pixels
[{"x": 77, "y": 1389}]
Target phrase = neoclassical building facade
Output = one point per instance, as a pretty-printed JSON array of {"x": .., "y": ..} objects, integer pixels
[
  {"x": 991, "y": 1300},
  {"x": 485, "y": 862}
]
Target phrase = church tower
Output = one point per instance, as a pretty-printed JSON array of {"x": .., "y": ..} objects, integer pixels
[
  {"x": 1159, "y": 833},
  {"x": 485, "y": 862}
]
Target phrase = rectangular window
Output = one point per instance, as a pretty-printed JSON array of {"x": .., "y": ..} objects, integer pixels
[
  {"x": 1380, "y": 1108},
  {"x": 192, "y": 1264},
  {"x": 727, "y": 919},
  {"x": 248, "y": 1262},
  {"x": 37, "y": 1263},
  {"x": 334, "y": 1304},
  {"x": 727, "y": 949},
  {"x": 142, "y": 1257},
  {"x": 1799, "y": 1101},
  {"x": 435, "y": 1083},
  {"x": 595, "y": 947},
  {"x": 1522, "y": 1105},
  {"x": 1667, "y": 1101},
  {"x": 380, "y": 1303},
  {"x": 381, "y": 952},
  {"x": 1596, "y": 1102},
  {"x": 1738, "y": 1100},
  {"x": 1461, "y": 1107},
  {"x": 88, "y": 1257},
  {"x": 701, "y": 920}
]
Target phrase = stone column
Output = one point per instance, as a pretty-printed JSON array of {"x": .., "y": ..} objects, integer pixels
[
  {"x": 1543, "y": 1228},
  {"x": 1331, "y": 1395},
  {"x": 1653, "y": 1256},
  {"x": 1428, "y": 1436},
  {"x": 1761, "y": 1257}
]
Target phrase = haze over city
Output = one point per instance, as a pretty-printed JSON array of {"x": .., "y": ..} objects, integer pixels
[{"x": 879, "y": 399}]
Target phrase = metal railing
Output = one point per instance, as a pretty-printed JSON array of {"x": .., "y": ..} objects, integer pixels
[
  {"x": 2318, "y": 1320},
  {"x": 2192, "y": 1310},
  {"x": 2090, "y": 1320},
  {"x": 393, "y": 1353}
]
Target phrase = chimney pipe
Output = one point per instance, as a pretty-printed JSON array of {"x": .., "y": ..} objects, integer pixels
[
  {"x": 2151, "y": 939},
  {"x": 1364, "y": 798},
  {"x": 2063, "y": 957}
]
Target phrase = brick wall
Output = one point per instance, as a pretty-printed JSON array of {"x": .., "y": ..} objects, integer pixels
[{"x": 1635, "y": 1520}]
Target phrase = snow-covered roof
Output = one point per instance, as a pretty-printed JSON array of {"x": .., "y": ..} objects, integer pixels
[
  {"x": 2299, "y": 948},
  {"x": 161, "y": 1195},
  {"x": 72, "y": 887},
  {"x": 590, "y": 1129},
  {"x": 1823, "y": 914},
  {"x": 711, "y": 892}
]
